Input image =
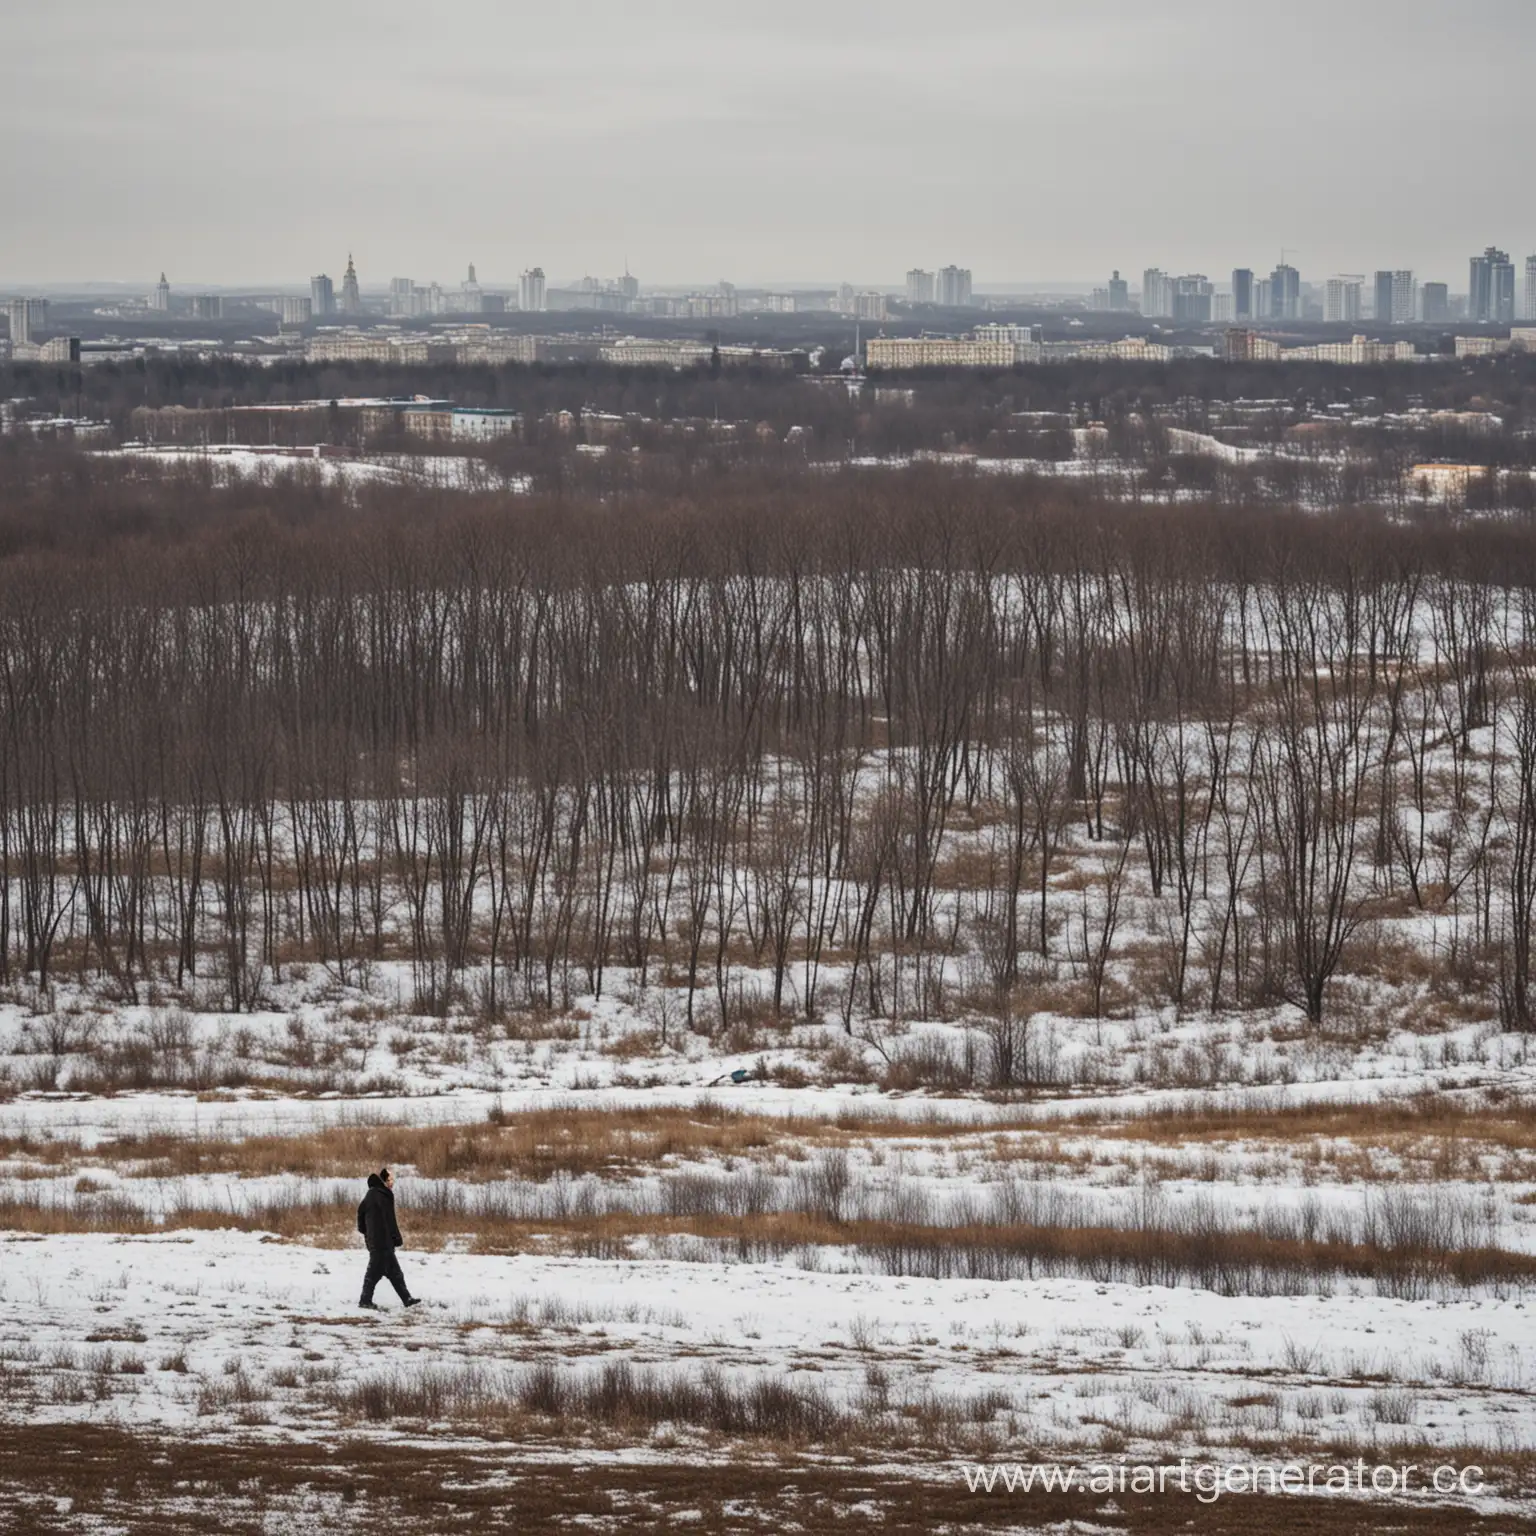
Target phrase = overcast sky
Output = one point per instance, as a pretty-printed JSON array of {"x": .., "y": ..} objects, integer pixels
[{"x": 803, "y": 140}]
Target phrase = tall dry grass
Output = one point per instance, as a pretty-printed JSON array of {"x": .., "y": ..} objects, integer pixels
[{"x": 1404, "y": 1242}]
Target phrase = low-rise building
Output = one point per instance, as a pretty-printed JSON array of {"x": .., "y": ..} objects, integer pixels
[
  {"x": 376, "y": 347},
  {"x": 760, "y": 357},
  {"x": 1133, "y": 349},
  {"x": 1445, "y": 482},
  {"x": 347, "y": 347},
  {"x": 1018, "y": 335},
  {"x": 1241, "y": 346},
  {"x": 480, "y": 424},
  {"x": 440, "y": 421},
  {"x": 57, "y": 349},
  {"x": 306, "y": 422},
  {"x": 77, "y": 427},
  {"x": 938, "y": 352},
  {"x": 1357, "y": 350},
  {"x": 650, "y": 352},
  {"x": 495, "y": 347}
]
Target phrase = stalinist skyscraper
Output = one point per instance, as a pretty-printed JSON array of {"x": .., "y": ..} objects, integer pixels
[{"x": 351, "y": 301}]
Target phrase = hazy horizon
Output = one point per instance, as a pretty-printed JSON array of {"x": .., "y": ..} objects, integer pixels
[
  {"x": 783, "y": 148},
  {"x": 374, "y": 288}
]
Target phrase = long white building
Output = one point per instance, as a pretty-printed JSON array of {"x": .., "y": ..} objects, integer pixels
[{"x": 938, "y": 352}]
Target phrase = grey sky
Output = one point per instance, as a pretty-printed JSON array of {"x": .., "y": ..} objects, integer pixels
[{"x": 803, "y": 140}]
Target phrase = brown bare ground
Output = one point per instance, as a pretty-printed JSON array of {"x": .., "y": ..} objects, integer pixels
[{"x": 197, "y": 1486}]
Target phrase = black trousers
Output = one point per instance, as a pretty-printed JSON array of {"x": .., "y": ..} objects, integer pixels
[{"x": 384, "y": 1266}]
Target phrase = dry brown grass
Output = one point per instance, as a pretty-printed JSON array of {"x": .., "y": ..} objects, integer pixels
[
  {"x": 1386, "y": 1124},
  {"x": 967, "y": 869},
  {"x": 1429, "y": 1137},
  {"x": 206, "y": 1486},
  {"x": 1438, "y": 1135},
  {"x": 636, "y": 1045},
  {"x": 1234, "y": 1261},
  {"x": 535, "y": 1145}
]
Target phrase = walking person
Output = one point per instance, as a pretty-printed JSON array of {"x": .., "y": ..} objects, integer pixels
[{"x": 376, "y": 1221}]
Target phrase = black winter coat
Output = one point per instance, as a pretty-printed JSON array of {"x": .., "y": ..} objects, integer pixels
[{"x": 376, "y": 1217}]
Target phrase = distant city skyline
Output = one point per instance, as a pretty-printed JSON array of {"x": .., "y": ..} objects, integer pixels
[
  {"x": 1035, "y": 141},
  {"x": 1490, "y": 272}
]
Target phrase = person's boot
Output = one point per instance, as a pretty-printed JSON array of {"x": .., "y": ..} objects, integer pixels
[
  {"x": 413, "y": 1301},
  {"x": 371, "y": 1306}
]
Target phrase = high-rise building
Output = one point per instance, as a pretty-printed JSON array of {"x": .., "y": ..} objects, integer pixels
[
  {"x": 1156, "y": 294},
  {"x": 207, "y": 306},
  {"x": 160, "y": 299},
  {"x": 351, "y": 298},
  {"x": 952, "y": 287},
  {"x": 919, "y": 286},
  {"x": 1341, "y": 299},
  {"x": 1381, "y": 309},
  {"x": 1285, "y": 293},
  {"x": 530, "y": 289},
  {"x": 1491, "y": 288},
  {"x": 1529, "y": 312},
  {"x": 1192, "y": 299},
  {"x": 400, "y": 291},
  {"x": 1436, "y": 303},
  {"x": 1504, "y": 294},
  {"x": 1480, "y": 284},
  {"x": 1242, "y": 293},
  {"x": 1405, "y": 297},
  {"x": 1262, "y": 302},
  {"x": 1119, "y": 293},
  {"x": 292, "y": 310},
  {"x": 471, "y": 299},
  {"x": 28, "y": 318},
  {"x": 322, "y": 296}
]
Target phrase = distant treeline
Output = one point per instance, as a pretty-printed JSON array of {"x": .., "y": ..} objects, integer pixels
[{"x": 1091, "y": 390}]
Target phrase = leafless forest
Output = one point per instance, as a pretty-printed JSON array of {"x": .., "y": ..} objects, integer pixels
[{"x": 786, "y": 743}]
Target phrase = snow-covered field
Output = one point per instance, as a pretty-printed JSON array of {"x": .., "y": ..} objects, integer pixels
[
  {"x": 719, "y": 1278},
  {"x": 219, "y": 1337},
  {"x": 1071, "y": 1363}
]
